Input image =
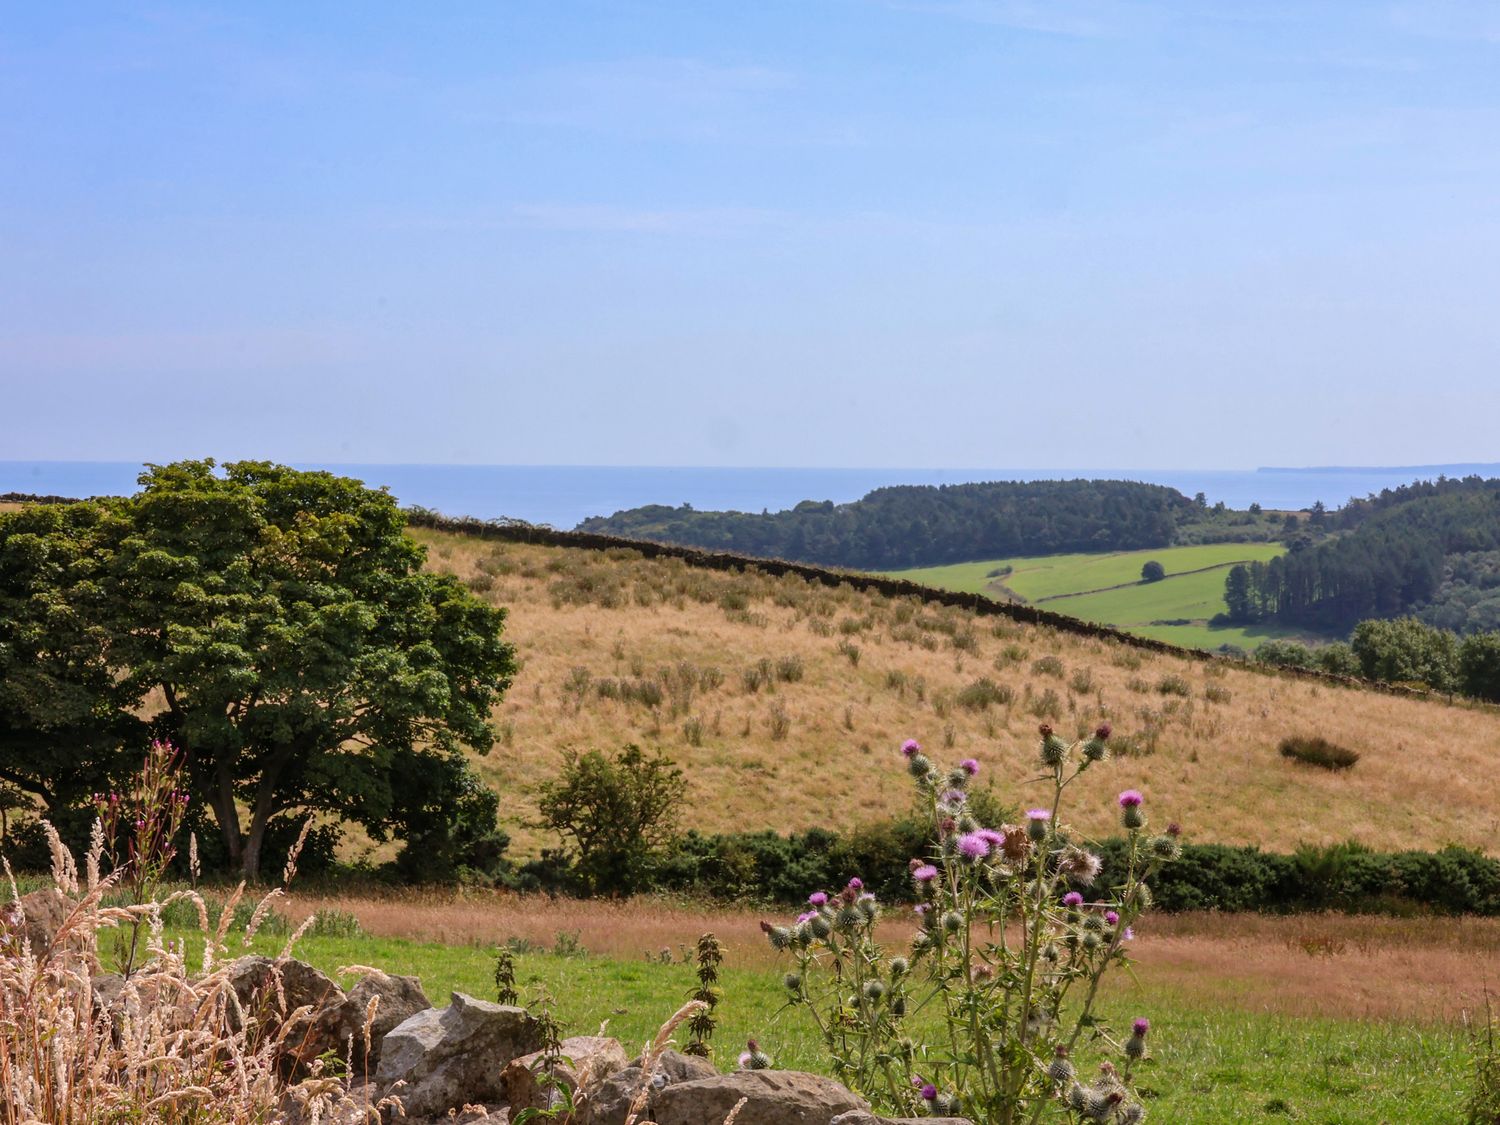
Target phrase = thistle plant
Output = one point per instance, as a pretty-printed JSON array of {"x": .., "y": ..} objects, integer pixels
[
  {"x": 1003, "y": 975},
  {"x": 136, "y": 831}
]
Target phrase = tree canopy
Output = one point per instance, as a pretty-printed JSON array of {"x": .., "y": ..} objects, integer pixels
[{"x": 277, "y": 627}]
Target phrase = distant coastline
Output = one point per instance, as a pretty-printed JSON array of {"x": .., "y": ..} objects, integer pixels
[{"x": 564, "y": 495}]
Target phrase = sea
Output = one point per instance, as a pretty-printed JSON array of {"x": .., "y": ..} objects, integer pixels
[{"x": 563, "y": 495}]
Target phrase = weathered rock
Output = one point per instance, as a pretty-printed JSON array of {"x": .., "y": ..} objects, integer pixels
[
  {"x": 609, "y": 1103},
  {"x": 451, "y": 1057},
  {"x": 773, "y": 1097},
  {"x": 36, "y": 917},
  {"x": 862, "y": 1117},
  {"x": 335, "y": 1024},
  {"x": 255, "y": 983},
  {"x": 591, "y": 1060}
]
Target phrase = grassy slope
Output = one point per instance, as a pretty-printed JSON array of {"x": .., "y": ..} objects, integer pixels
[
  {"x": 1423, "y": 781},
  {"x": 1188, "y": 592}
]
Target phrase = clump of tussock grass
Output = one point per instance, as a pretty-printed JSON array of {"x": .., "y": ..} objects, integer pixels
[
  {"x": 1174, "y": 685},
  {"x": 1315, "y": 750},
  {"x": 983, "y": 694},
  {"x": 1048, "y": 666}
]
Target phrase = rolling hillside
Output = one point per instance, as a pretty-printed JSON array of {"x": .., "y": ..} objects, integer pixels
[
  {"x": 1106, "y": 588},
  {"x": 785, "y": 701}
]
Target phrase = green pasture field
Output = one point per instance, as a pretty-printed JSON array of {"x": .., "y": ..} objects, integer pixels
[
  {"x": 1211, "y": 1063},
  {"x": 1061, "y": 583}
]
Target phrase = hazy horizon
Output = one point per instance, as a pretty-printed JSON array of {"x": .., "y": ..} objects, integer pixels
[{"x": 872, "y": 233}]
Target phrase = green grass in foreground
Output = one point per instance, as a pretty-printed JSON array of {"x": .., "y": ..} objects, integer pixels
[
  {"x": 1211, "y": 1063},
  {"x": 1189, "y": 592}
]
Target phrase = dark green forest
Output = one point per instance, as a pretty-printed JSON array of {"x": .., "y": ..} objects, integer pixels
[
  {"x": 1430, "y": 549},
  {"x": 927, "y": 525}
]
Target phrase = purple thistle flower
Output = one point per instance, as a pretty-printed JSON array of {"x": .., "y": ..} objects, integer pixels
[
  {"x": 1038, "y": 814},
  {"x": 955, "y": 797},
  {"x": 1128, "y": 935},
  {"x": 1111, "y": 917},
  {"x": 1140, "y": 1026},
  {"x": 1103, "y": 731},
  {"x": 911, "y": 747},
  {"x": 970, "y": 766},
  {"x": 818, "y": 898},
  {"x": 929, "y": 1093},
  {"x": 925, "y": 874},
  {"x": 806, "y": 916},
  {"x": 973, "y": 846},
  {"x": 991, "y": 837},
  {"x": 1073, "y": 899},
  {"x": 856, "y": 884},
  {"x": 920, "y": 909},
  {"x": 1131, "y": 799}
]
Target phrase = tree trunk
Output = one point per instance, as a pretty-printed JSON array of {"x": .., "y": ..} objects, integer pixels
[{"x": 221, "y": 800}]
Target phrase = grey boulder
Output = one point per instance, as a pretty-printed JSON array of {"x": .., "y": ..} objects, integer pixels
[
  {"x": 609, "y": 1103},
  {"x": 772, "y": 1097},
  {"x": 590, "y": 1060},
  {"x": 337, "y": 1025},
  {"x": 448, "y": 1058}
]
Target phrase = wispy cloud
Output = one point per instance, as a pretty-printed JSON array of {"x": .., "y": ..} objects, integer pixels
[
  {"x": 1077, "y": 18},
  {"x": 673, "y": 97},
  {"x": 606, "y": 219},
  {"x": 1473, "y": 20}
]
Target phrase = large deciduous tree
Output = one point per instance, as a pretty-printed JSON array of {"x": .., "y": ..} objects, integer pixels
[{"x": 278, "y": 627}]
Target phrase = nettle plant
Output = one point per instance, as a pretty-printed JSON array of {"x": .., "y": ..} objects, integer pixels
[{"x": 984, "y": 1013}]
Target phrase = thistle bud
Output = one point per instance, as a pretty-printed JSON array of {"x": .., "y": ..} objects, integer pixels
[
  {"x": 1165, "y": 848},
  {"x": 874, "y": 990},
  {"x": 1061, "y": 1070}
]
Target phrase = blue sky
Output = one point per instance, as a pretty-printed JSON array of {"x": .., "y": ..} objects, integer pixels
[{"x": 822, "y": 233}]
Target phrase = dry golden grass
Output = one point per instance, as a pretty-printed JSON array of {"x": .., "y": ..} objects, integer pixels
[
  {"x": 822, "y": 750},
  {"x": 1343, "y": 966}
]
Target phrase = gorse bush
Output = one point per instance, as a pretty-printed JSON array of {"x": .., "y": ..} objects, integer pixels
[
  {"x": 1009, "y": 954},
  {"x": 1315, "y": 750}
]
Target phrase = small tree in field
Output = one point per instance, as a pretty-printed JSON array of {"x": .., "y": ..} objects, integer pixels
[
  {"x": 1153, "y": 571},
  {"x": 616, "y": 812}
]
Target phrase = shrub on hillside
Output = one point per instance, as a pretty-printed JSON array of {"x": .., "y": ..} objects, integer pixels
[
  {"x": 1315, "y": 750},
  {"x": 983, "y": 694},
  {"x": 615, "y": 814}
]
